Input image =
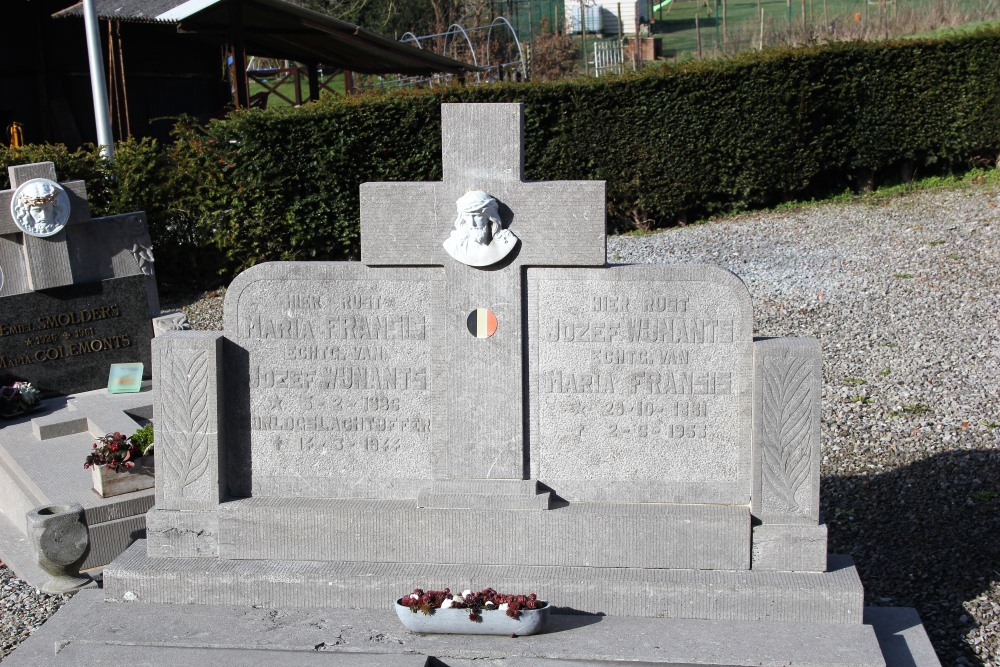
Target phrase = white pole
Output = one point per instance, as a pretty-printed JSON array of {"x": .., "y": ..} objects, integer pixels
[{"x": 98, "y": 89}]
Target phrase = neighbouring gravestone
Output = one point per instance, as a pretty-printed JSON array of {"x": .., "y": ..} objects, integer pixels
[
  {"x": 612, "y": 438},
  {"x": 76, "y": 296},
  {"x": 77, "y": 293}
]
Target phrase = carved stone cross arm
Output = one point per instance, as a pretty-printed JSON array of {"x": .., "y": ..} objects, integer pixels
[{"x": 43, "y": 260}]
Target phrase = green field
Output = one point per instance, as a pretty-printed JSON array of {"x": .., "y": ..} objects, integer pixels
[
  {"x": 736, "y": 25},
  {"x": 286, "y": 88},
  {"x": 727, "y": 28}
]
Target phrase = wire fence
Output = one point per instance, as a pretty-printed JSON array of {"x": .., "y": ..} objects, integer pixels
[{"x": 706, "y": 28}]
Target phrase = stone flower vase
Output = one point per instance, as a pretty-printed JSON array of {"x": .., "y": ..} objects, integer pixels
[{"x": 60, "y": 540}]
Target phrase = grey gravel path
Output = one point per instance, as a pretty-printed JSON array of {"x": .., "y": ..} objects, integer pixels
[{"x": 902, "y": 293}]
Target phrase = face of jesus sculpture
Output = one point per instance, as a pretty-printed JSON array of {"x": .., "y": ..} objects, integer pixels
[
  {"x": 478, "y": 216},
  {"x": 40, "y": 201}
]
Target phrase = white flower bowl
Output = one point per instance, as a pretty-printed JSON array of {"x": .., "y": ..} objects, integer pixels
[{"x": 456, "y": 621}]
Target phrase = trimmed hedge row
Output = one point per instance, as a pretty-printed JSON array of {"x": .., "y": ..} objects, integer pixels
[{"x": 673, "y": 144}]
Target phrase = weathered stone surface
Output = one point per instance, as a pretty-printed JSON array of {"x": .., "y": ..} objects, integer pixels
[
  {"x": 95, "y": 415},
  {"x": 189, "y": 416},
  {"x": 792, "y": 548},
  {"x": 901, "y": 636},
  {"x": 582, "y": 534},
  {"x": 640, "y": 383},
  {"x": 64, "y": 340},
  {"x": 108, "y": 483},
  {"x": 84, "y": 251},
  {"x": 558, "y": 224},
  {"x": 398, "y": 423},
  {"x": 113, "y": 247},
  {"x": 786, "y": 445},
  {"x": 58, "y": 535},
  {"x": 336, "y": 380},
  {"x": 170, "y": 322},
  {"x": 194, "y": 635},
  {"x": 182, "y": 534},
  {"x": 46, "y": 259},
  {"x": 835, "y": 596}
]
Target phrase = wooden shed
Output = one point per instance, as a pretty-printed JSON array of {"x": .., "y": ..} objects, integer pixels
[{"x": 164, "y": 58}]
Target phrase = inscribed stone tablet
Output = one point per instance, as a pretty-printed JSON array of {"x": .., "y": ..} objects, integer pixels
[
  {"x": 341, "y": 395},
  {"x": 65, "y": 339},
  {"x": 640, "y": 383}
]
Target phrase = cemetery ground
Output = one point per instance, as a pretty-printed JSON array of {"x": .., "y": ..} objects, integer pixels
[{"x": 901, "y": 293}]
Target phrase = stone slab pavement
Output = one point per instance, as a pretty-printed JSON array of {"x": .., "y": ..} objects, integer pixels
[
  {"x": 41, "y": 463},
  {"x": 135, "y": 633}
]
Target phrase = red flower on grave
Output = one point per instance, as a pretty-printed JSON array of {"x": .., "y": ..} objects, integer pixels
[
  {"x": 476, "y": 603},
  {"x": 114, "y": 452}
]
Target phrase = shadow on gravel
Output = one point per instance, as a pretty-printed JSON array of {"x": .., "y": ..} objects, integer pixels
[{"x": 926, "y": 535}]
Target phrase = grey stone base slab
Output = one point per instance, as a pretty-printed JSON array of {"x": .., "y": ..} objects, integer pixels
[
  {"x": 835, "y": 596},
  {"x": 395, "y": 531},
  {"x": 182, "y": 534},
  {"x": 459, "y": 501},
  {"x": 110, "y": 538},
  {"x": 180, "y": 635},
  {"x": 791, "y": 548},
  {"x": 41, "y": 463},
  {"x": 901, "y": 636},
  {"x": 486, "y": 494}
]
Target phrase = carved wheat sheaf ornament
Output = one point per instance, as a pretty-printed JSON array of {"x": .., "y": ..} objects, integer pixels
[
  {"x": 479, "y": 238},
  {"x": 786, "y": 421},
  {"x": 184, "y": 384}
]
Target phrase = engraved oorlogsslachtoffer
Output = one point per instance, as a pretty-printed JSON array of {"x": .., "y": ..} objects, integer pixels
[
  {"x": 40, "y": 207},
  {"x": 479, "y": 238}
]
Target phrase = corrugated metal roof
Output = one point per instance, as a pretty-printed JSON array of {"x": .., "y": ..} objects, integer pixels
[
  {"x": 278, "y": 29},
  {"x": 124, "y": 10}
]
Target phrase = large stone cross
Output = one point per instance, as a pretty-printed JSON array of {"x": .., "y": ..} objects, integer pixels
[
  {"x": 558, "y": 223},
  {"x": 40, "y": 262}
]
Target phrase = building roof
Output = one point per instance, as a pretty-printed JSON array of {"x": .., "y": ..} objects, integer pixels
[
  {"x": 125, "y": 10},
  {"x": 279, "y": 29}
]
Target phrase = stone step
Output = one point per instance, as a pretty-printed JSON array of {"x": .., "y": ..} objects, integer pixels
[
  {"x": 227, "y": 636},
  {"x": 835, "y": 596},
  {"x": 715, "y": 537}
]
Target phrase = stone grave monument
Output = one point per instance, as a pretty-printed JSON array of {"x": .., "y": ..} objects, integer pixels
[
  {"x": 484, "y": 402},
  {"x": 76, "y": 295}
]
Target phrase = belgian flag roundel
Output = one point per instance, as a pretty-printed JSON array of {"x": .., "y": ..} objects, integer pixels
[{"x": 482, "y": 323}]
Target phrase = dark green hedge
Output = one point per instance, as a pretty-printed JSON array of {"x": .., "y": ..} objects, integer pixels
[{"x": 673, "y": 144}]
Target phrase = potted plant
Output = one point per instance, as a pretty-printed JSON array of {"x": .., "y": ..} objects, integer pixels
[
  {"x": 484, "y": 613},
  {"x": 120, "y": 464}
]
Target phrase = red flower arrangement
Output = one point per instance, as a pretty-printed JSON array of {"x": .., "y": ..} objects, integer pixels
[
  {"x": 113, "y": 451},
  {"x": 485, "y": 600}
]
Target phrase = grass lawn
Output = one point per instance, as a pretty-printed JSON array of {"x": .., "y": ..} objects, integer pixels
[
  {"x": 287, "y": 88},
  {"x": 783, "y": 21}
]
